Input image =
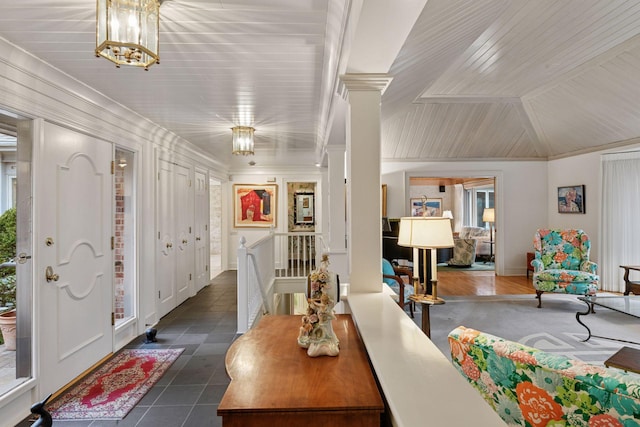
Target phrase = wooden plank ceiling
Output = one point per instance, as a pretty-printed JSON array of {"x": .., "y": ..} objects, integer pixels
[{"x": 475, "y": 79}]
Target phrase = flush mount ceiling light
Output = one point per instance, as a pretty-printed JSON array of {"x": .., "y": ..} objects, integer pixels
[
  {"x": 242, "y": 141},
  {"x": 127, "y": 31}
]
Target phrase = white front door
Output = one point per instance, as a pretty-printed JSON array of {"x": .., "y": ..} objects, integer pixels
[{"x": 74, "y": 276}]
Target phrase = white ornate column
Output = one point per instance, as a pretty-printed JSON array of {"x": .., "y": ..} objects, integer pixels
[{"x": 364, "y": 201}]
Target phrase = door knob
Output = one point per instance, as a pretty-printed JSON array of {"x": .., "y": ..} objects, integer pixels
[
  {"x": 184, "y": 242},
  {"x": 50, "y": 275},
  {"x": 169, "y": 245}
]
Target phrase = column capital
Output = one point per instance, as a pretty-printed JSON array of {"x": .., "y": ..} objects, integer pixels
[{"x": 363, "y": 82}]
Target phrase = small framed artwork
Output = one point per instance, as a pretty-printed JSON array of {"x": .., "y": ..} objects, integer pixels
[
  {"x": 304, "y": 208},
  {"x": 416, "y": 207},
  {"x": 254, "y": 205},
  {"x": 571, "y": 199},
  {"x": 433, "y": 207}
]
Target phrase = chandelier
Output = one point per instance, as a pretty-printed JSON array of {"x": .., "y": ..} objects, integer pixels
[
  {"x": 242, "y": 141},
  {"x": 127, "y": 31}
]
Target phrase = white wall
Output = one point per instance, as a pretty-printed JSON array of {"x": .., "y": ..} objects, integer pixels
[
  {"x": 584, "y": 170},
  {"x": 521, "y": 200},
  {"x": 32, "y": 89},
  {"x": 578, "y": 170},
  {"x": 281, "y": 179}
]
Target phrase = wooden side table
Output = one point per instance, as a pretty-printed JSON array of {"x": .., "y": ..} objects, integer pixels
[
  {"x": 630, "y": 286},
  {"x": 627, "y": 359},
  {"x": 530, "y": 257},
  {"x": 426, "y": 303}
]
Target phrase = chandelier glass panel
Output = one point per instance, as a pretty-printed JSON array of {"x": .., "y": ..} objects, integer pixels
[
  {"x": 242, "y": 142},
  {"x": 127, "y": 31}
]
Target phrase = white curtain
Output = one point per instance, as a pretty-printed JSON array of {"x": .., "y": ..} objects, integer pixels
[{"x": 620, "y": 232}]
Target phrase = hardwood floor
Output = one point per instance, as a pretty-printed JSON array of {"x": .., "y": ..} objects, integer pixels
[{"x": 482, "y": 283}]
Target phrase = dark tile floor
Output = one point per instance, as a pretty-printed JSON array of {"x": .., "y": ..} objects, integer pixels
[{"x": 189, "y": 393}]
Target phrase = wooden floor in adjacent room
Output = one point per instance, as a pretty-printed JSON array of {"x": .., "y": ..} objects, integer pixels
[{"x": 482, "y": 283}]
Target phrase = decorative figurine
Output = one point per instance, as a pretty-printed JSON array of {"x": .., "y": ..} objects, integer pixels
[{"x": 316, "y": 333}]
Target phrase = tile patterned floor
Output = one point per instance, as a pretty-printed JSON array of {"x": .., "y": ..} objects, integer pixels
[{"x": 189, "y": 393}]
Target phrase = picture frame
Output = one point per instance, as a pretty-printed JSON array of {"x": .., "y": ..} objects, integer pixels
[
  {"x": 384, "y": 200},
  {"x": 433, "y": 207},
  {"x": 304, "y": 208},
  {"x": 416, "y": 207},
  {"x": 255, "y": 205},
  {"x": 571, "y": 199}
]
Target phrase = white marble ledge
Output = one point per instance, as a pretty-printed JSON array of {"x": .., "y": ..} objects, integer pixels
[{"x": 420, "y": 384}]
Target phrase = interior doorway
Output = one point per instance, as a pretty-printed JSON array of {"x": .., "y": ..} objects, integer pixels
[
  {"x": 215, "y": 227},
  {"x": 467, "y": 201}
]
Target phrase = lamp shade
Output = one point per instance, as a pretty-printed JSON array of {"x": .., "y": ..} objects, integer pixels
[
  {"x": 425, "y": 232},
  {"x": 447, "y": 214},
  {"x": 489, "y": 215},
  {"x": 127, "y": 31},
  {"x": 242, "y": 141}
]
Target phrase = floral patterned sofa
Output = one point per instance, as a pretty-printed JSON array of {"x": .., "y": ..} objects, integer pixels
[
  {"x": 529, "y": 387},
  {"x": 561, "y": 263}
]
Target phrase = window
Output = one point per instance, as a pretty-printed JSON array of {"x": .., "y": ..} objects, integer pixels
[{"x": 475, "y": 201}]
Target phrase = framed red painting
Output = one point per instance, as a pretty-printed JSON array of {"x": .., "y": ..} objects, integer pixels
[{"x": 255, "y": 205}]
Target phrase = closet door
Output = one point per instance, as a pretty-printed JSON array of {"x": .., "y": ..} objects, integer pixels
[
  {"x": 175, "y": 259},
  {"x": 183, "y": 214},
  {"x": 166, "y": 277},
  {"x": 201, "y": 233}
]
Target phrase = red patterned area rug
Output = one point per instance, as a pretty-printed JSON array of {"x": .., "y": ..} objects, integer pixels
[{"x": 110, "y": 392}]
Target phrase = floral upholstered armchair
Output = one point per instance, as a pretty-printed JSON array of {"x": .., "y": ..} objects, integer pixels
[
  {"x": 464, "y": 253},
  {"x": 529, "y": 387},
  {"x": 561, "y": 263}
]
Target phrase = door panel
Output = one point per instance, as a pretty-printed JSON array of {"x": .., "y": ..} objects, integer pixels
[
  {"x": 175, "y": 221},
  {"x": 201, "y": 230},
  {"x": 74, "y": 218},
  {"x": 165, "y": 267},
  {"x": 184, "y": 220}
]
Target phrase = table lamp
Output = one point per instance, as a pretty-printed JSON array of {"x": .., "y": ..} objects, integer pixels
[
  {"x": 426, "y": 233},
  {"x": 489, "y": 215}
]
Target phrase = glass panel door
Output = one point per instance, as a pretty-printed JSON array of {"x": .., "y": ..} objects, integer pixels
[
  {"x": 16, "y": 137},
  {"x": 124, "y": 237}
]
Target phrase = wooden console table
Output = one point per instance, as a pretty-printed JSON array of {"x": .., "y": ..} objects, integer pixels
[
  {"x": 275, "y": 383},
  {"x": 630, "y": 286}
]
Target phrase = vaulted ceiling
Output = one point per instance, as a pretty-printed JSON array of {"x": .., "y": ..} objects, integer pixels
[{"x": 472, "y": 79}]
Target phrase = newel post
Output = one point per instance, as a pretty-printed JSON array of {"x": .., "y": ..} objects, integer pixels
[{"x": 242, "y": 287}]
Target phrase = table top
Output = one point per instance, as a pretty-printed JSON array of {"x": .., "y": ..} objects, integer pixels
[
  {"x": 626, "y": 358},
  {"x": 270, "y": 372},
  {"x": 624, "y": 304},
  {"x": 631, "y": 267}
]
